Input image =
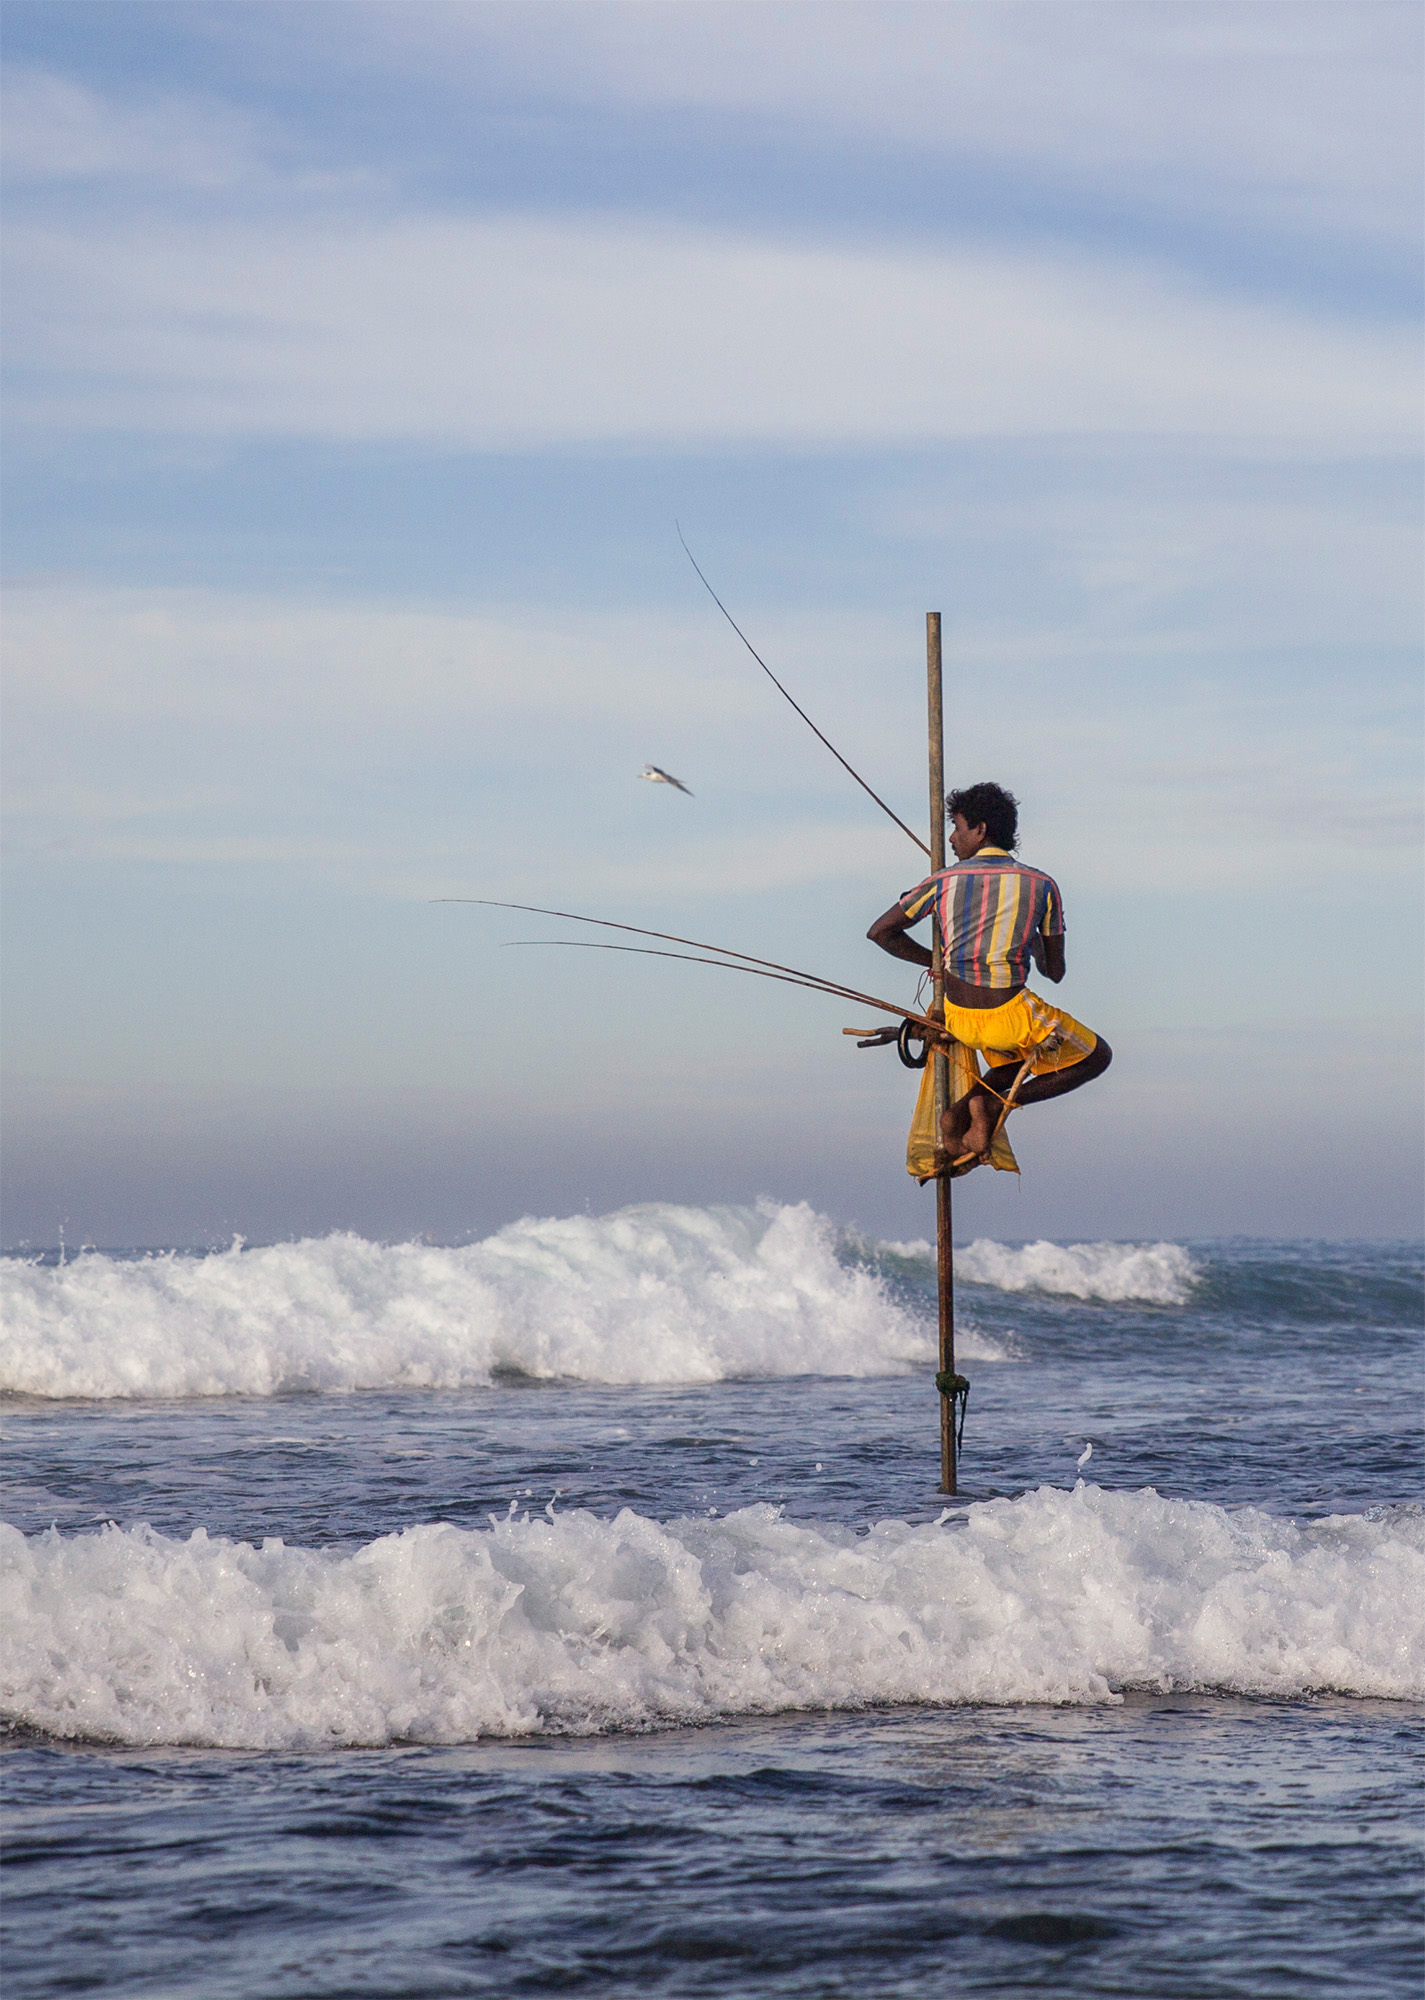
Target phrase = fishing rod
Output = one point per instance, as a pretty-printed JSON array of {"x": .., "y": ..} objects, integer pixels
[
  {"x": 808, "y": 980},
  {"x": 730, "y": 961},
  {"x": 670, "y": 937},
  {"x": 796, "y": 704}
]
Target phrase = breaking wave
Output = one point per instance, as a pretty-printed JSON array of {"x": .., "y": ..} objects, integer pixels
[
  {"x": 570, "y": 1624},
  {"x": 651, "y": 1294},
  {"x": 1161, "y": 1274}
]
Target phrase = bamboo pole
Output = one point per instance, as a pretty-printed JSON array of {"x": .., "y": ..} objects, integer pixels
[{"x": 944, "y": 1240}]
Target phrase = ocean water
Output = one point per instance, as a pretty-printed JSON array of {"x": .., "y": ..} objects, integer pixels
[{"x": 575, "y": 1612}]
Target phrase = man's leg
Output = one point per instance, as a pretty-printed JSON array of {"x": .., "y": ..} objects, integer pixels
[{"x": 1053, "y": 1083}]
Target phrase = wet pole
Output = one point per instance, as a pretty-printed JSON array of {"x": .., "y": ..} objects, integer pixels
[{"x": 944, "y": 1240}]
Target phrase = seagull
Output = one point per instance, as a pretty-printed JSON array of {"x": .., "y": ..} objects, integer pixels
[
  {"x": 1083, "y": 1458},
  {"x": 657, "y": 777}
]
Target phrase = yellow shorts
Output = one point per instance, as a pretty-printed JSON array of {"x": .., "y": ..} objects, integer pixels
[{"x": 1025, "y": 1028}]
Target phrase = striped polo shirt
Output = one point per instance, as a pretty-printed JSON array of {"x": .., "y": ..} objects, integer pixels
[{"x": 990, "y": 907}]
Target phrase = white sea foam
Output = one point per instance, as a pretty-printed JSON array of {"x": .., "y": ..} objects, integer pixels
[
  {"x": 1161, "y": 1274},
  {"x": 574, "y": 1624},
  {"x": 650, "y": 1294}
]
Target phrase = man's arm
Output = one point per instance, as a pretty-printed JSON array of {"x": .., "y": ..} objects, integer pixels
[
  {"x": 889, "y": 932},
  {"x": 1048, "y": 955}
]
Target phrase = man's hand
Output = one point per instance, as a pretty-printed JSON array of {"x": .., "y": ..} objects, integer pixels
[{"x": 889, "y": 932}]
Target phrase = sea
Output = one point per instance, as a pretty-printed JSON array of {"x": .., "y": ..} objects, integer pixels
[{"x": 576, "y": 1612}]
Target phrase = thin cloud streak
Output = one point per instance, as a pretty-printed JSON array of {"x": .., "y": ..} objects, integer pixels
[
  {"x": 56, "y": 131},
  {"x": 517, "y": 334},
  {"x": 1303, "y": 117},
  {"x": 300, "y": 729}
]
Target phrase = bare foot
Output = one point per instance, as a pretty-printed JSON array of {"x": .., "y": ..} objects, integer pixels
[
  {"x": 954, "y": 1123},
  {"x": 980, "y": 1130},
  {"x": 968, "y": 1127}
]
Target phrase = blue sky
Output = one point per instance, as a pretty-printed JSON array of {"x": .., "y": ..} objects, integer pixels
[{"x": 359, "y": 362}]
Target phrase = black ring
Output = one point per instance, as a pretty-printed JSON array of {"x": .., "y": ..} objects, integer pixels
[{"x": 908, "y": 1032}]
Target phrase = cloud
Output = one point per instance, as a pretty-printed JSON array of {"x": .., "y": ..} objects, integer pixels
[
  {"x": 407, "y": 752},
  {"x": 1304, "y": 116},
  {"x": 287, "y": 665},
  {"x": 511, "y": 333},
  {"x": 59, "y": 137},
  {"x": 56, "y": 130},
  {"x": 1177, "y": 556}
]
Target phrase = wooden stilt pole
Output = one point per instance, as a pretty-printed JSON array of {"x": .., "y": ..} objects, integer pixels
[{"x": 944, "y": 1240}]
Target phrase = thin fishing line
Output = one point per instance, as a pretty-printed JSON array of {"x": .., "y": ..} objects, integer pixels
[
  {"x": 809, "y": 981},
  {"x": 795, "y": 703},
  {"x": 664, "y": 937}
]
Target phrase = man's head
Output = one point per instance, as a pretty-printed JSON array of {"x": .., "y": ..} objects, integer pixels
[{"x": 982, "y": 816}]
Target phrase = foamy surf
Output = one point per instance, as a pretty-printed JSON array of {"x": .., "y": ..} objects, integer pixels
[
  {"x": 570, "y": 1624},
  {"x": 1160, "y": 1274},
  {"x": 651, "y": 1294}
]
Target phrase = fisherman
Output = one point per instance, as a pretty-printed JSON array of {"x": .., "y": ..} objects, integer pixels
[{"x": 995, "y": 916}]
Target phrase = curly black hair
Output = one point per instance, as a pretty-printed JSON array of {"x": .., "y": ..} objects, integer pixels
[{"x": 990, "y": 806}]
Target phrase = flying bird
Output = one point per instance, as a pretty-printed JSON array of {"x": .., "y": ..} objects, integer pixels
[
  {"x": 1083, "y": 1458},
  {"x": 657, "y": 777}
]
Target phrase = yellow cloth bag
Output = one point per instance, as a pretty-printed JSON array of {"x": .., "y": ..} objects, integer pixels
[{"x": 920, "y": 1147}]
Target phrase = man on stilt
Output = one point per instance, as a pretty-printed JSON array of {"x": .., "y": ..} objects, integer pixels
[{"x": 996, "y": 915}]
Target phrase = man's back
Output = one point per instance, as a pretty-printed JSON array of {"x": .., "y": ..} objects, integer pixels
[{"x": 991, "y": 909}]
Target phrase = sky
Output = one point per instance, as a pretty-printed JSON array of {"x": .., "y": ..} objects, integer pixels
[{"x": 363, "y": 362}]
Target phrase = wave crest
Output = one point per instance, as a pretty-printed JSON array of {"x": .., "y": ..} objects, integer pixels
[
  {"x": 1160, "y": 1274},
  {"x": 656, "y": 1293},
  {"x": 573, "y": 1624}
]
